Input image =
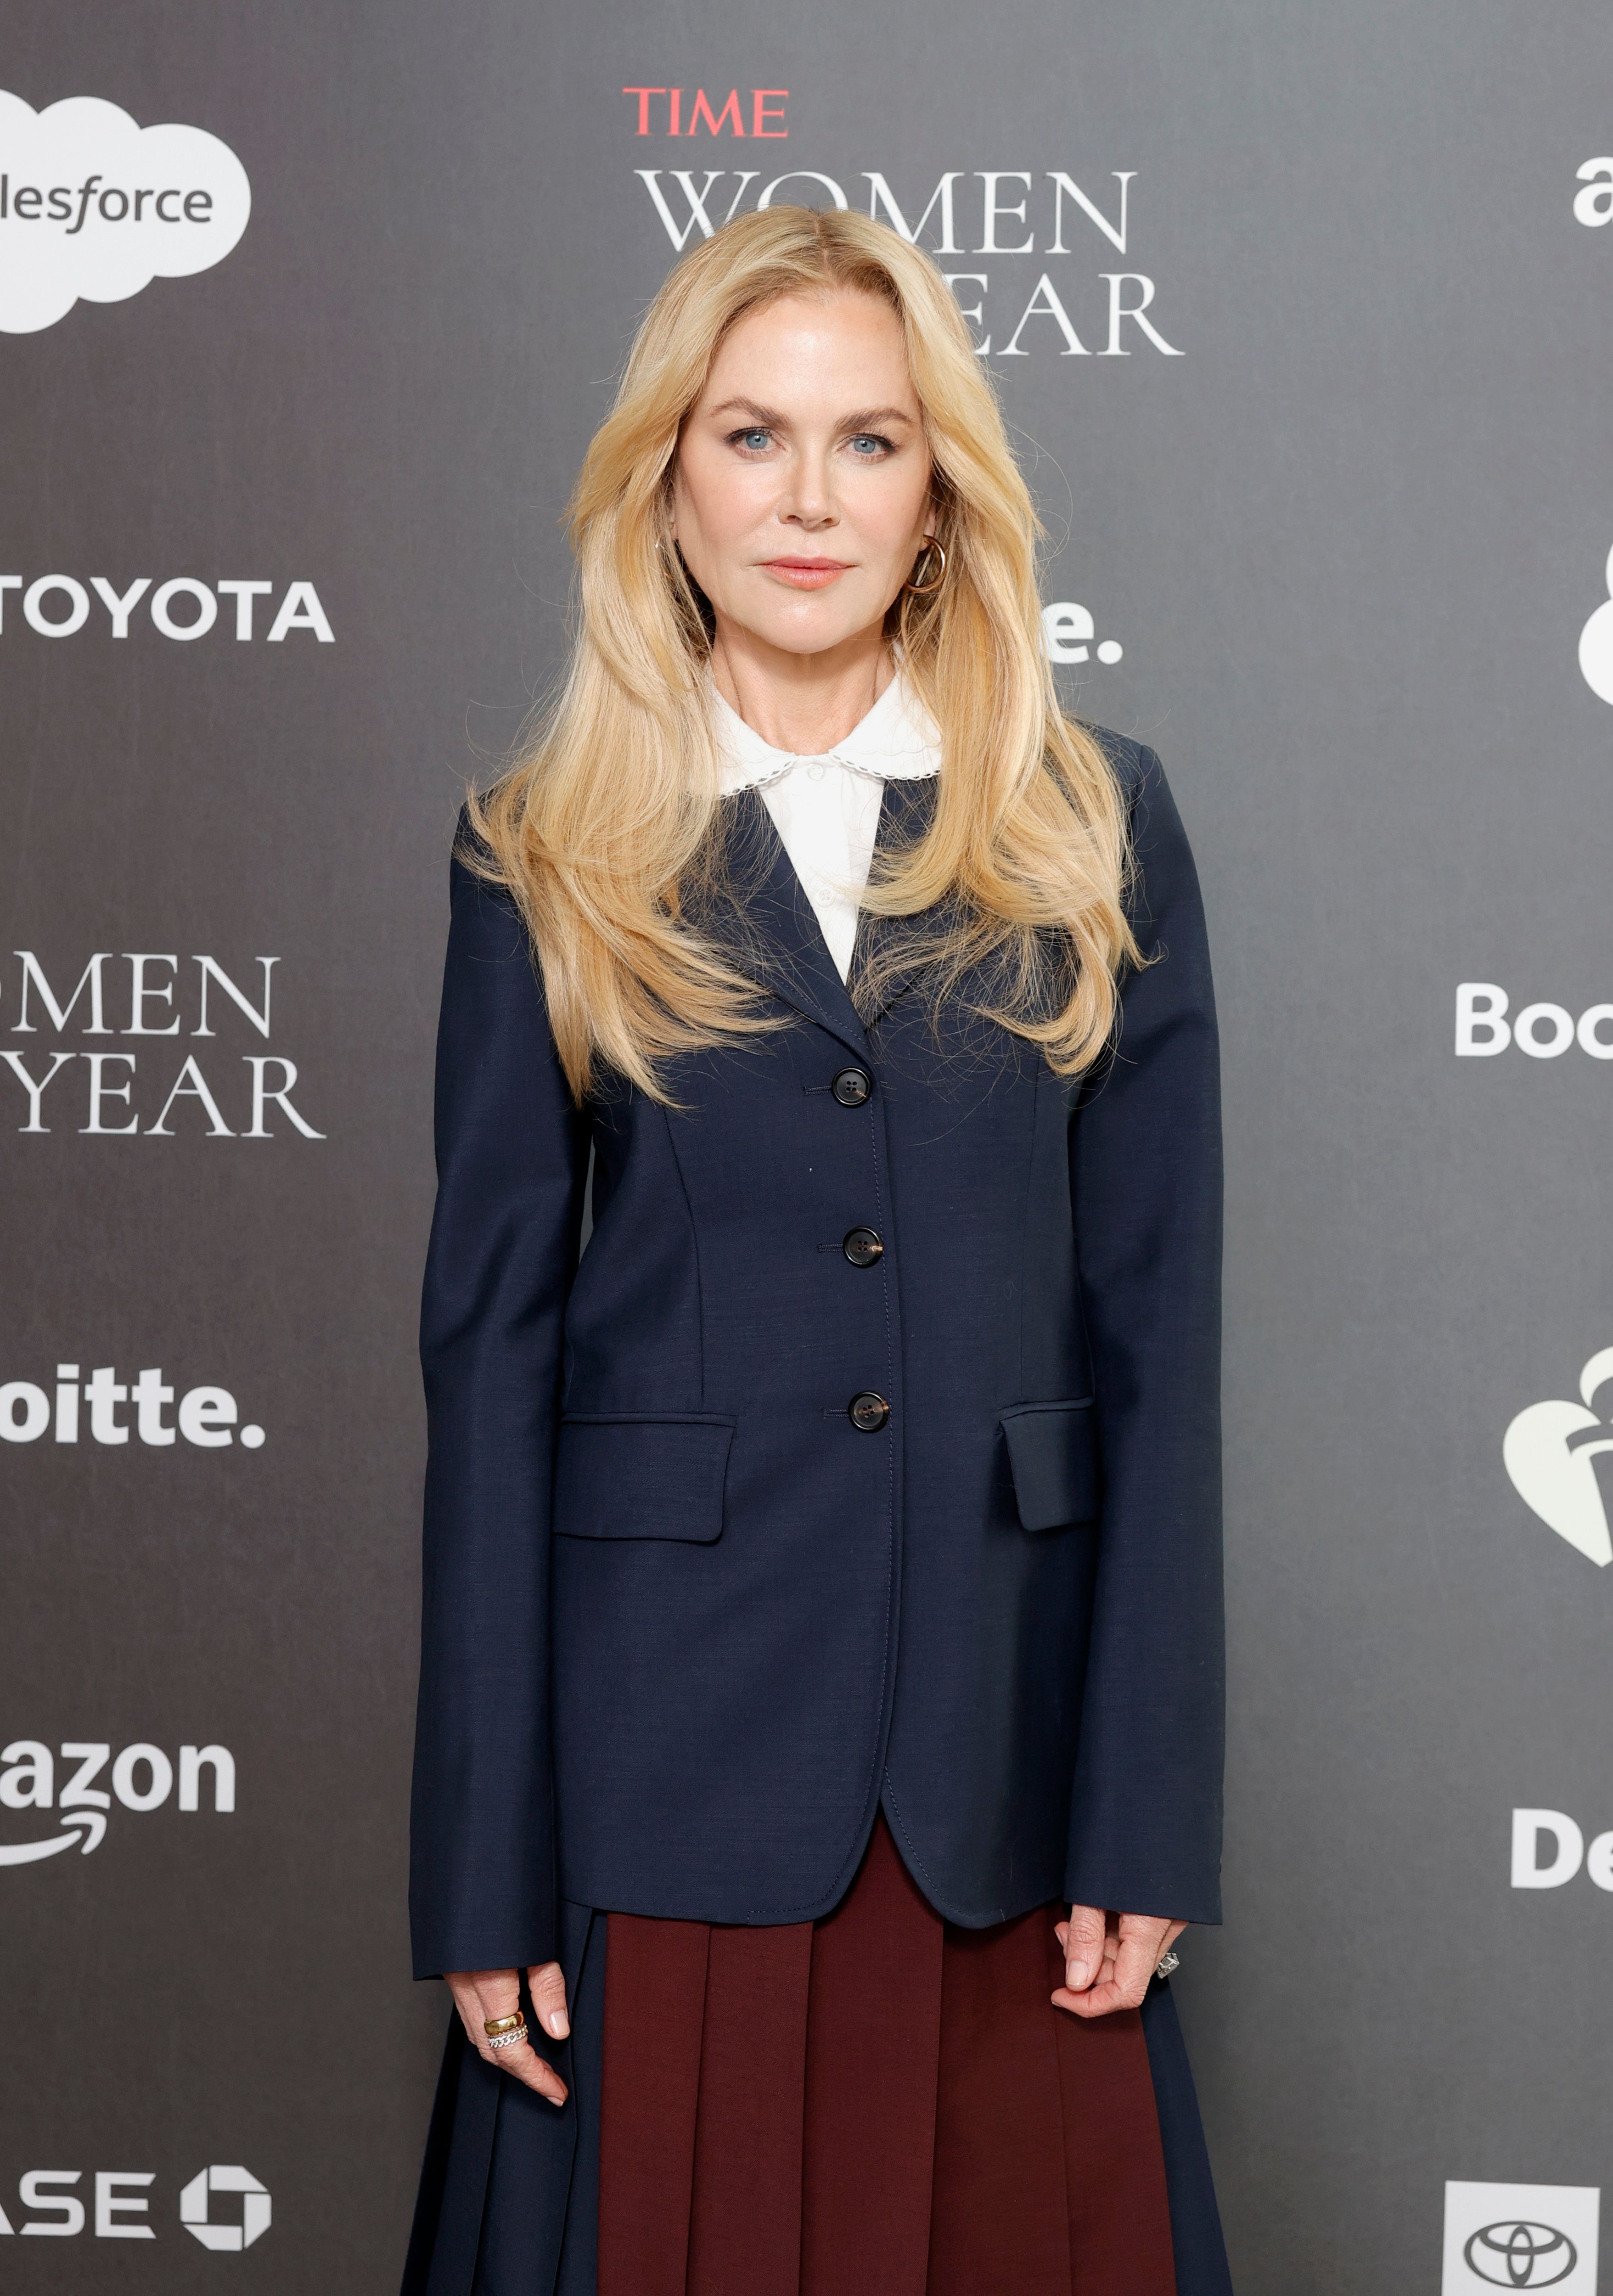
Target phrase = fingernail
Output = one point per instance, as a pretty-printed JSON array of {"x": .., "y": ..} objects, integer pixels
[
  {"x": 558, "y": 2025},
  {"x": 558, "y": 2103},
  {"x": 1075, "y": 1976}
]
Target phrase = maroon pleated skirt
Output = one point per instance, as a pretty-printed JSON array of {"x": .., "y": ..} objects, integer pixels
[{"x": 879, "y": 2104}]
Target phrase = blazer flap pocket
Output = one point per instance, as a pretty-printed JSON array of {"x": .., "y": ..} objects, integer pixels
[
  {"x": 1051, "y": 1448},
  {"x": 642, "y": 1478}
]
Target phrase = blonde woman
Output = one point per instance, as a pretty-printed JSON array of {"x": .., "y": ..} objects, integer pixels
[{"x": 819, "y": 1739}]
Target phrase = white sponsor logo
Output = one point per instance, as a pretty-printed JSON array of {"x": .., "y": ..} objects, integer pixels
[
  {"x": 1594, "y": 205},
  {"x": 1549, "y": 1451},
  {"x": 1068, "y": 631},
  {"x": 93, "y": 205},
  {"x": 161, "y": 1000},
  {"x": 181, "y": 608},
  {"x": 1596, "y": 642},
  {"x": 255, "y": 2207},
  {"x": 142, "y": 1777},
  {"x": 1000, "y": 213},
  {"x": 1544, "y": 1031},
  {"x": 1521, "y": 2236},
  {"x": 206, "y": 1416},
  {"x": 1549, "y": 1849},
  {"x": 122, "y": 2204}
]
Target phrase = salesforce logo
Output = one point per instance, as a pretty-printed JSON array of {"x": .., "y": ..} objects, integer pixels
[
  {"x": 93, "y": 206},
  {"x": 141, "y": 1778}
]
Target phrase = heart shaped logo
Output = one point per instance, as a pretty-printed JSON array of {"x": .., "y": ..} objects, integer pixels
[
  {"x": 1549, "y": 1451},
  {"x": 1596, "y": 646}
]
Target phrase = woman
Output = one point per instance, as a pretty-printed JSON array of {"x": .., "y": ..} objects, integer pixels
[{"x": 820, "y": 1715}]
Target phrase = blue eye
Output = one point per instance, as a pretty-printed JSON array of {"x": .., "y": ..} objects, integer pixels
[
  {"x": 755, "y": 440},
  {"x": 867, "y": 445}
]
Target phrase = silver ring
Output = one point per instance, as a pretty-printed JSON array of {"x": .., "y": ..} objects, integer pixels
[
  {"x": 1168, "y": 1965},
  {"x": 507, "y": 2040}
]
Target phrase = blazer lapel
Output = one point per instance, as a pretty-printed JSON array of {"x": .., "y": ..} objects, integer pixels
[
  {"x": 905, "y": 817},
  {"x": 776, "y": 938}
]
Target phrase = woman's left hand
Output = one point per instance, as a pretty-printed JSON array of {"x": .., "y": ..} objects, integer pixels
[{"x": 1108, "y": 1959}]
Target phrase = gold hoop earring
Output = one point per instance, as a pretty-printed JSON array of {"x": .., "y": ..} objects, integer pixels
[{"x": 928, "y": 589}]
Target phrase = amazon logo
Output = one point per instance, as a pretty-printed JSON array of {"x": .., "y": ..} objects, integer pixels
[{"x": 141, "y": 1779}]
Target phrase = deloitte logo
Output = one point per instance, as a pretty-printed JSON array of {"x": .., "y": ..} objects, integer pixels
[
  {"x": 93, "y": 205},
  {"x": 1069, "y": 633},
  {"x": 206, "y": 1417}
]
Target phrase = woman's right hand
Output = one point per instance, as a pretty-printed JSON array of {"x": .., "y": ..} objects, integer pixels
[{"x": 482, "y": 1994}]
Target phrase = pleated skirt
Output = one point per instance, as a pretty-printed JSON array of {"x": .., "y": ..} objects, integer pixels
[{"x": 878, "y": 2103}]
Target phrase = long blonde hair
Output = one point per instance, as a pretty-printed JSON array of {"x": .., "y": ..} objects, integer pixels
[{"x": 610, "y": 810}]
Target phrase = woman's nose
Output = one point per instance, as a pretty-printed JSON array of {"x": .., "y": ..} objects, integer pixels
[{"x": 809, "y": 498}]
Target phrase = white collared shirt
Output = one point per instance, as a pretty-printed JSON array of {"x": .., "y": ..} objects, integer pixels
[{"x": 826, "y": 809}]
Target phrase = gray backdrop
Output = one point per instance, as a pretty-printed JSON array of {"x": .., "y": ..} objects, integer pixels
[{"x": 1347, "y": 540}]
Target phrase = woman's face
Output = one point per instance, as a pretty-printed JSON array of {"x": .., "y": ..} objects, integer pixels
[{"x": 802, "y": 491}]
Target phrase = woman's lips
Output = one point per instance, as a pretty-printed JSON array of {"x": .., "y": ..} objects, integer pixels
[{"x": 803, "y": 573}]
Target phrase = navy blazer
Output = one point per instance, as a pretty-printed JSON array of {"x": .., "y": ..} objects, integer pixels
[{"x": 690, "y": 1618}]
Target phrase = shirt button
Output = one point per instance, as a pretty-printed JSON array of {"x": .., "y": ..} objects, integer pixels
[
  {"x": 868, "y": 1412},
  {"x": 862, "y": 1246},
  {"x": 852, "y": 1086}
]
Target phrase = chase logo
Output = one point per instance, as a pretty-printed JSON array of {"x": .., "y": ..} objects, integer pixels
[
  {"x": 93, "y": 206},
  {"x": 256, "y": 2208}
]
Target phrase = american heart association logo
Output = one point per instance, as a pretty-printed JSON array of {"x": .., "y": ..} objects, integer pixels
[
  {"x": 1549, "y": 1453},
  {"x": 1596, "y": 645}
]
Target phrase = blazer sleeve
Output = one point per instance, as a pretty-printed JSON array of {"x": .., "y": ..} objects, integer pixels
[
  {"x": 511, "y": 1158},
  {"x": 1145, "y": 1175}
]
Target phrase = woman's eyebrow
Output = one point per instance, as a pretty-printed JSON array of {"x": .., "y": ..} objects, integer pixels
[
  {"x": 864, "y": 419},
  {"x": 761, "y": 415}
]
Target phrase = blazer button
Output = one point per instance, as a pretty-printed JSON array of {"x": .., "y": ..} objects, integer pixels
[
  {"x": 852, "y": 1086},
  {"x": 862, "y": 1246},
  {"x": 869, "y": 1412}
]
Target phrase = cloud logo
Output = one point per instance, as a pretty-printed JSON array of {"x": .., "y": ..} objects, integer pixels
[
  {"x": 1550, "y": 1453},
  {"x": 93, "y": 206},
  {"x": 1596, "y": 645}
]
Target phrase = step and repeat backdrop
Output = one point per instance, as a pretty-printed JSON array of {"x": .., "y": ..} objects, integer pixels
[{"x": 1303, "y": 319}]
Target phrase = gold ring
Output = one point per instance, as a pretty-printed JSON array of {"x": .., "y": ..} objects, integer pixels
[{"x": 517, "y": 2024}]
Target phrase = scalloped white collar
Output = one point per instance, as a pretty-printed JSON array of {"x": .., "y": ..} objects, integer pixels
[{"x": 897, "y": 740}]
